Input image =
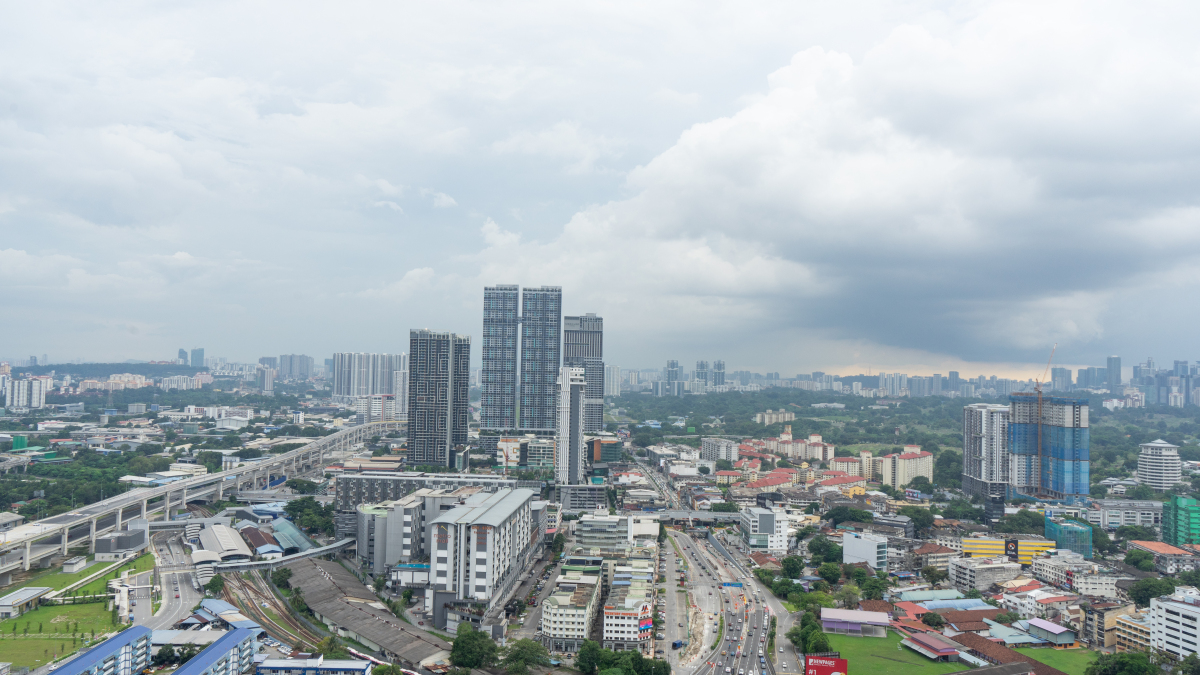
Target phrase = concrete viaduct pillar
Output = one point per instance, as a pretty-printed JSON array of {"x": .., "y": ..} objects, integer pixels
[{"x": 92, "y": 535}]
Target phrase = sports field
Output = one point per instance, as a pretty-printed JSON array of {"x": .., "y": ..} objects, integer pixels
[
  {"x": 886, "y": 655},
  {"x": 1070, "y": 661}
]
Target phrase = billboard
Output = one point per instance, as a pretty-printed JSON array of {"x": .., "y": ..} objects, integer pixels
[
  {"x": 1010, "y": 549},
  {"x": 824, "y": 665},
  {"x": 736, "y": 584}
]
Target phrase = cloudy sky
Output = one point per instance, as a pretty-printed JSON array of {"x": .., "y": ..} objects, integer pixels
[{"x": 790, "y": 186}]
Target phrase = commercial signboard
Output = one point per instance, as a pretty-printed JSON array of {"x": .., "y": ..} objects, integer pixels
[{"x": 824, "y": 665}]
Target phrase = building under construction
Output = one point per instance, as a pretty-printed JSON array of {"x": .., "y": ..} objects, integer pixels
[{"x": 1049, "y": 447}]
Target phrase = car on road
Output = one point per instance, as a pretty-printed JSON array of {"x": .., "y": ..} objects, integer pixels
[
  {"x": 781, "y": 650},
  {"x": 177, "y": 595}
]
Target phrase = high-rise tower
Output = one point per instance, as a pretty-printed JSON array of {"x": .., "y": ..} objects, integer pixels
[
  {"x": 541, "y": 358},
  {"x": 1114, "y": 375},
  {"x": 1049, "y": 446},
  {"x": 197, "y": 358},
  {"x": 702, "y": 373},
  {"x": 986, "y": 466},
  {"x": 583, "y": 347},
  {"x": 498, "y": 378},
  {"x": 438, "y": 387},
  {"x": 718, "y": 374},
  {"x": 569, "y": 461}
]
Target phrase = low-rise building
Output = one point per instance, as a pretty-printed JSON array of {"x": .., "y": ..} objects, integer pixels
[
  {"x": 1113, "y": 513},
  {"x": 931, "y": 554},
  {"x": 568, "y": 613},
  {"x": 1168, "y": 559},
  {"x": 1133, "y": 632},
  {"x": 318, "y": 665},
  {"x": 981, "y": 573},
  {"x": 22, "y": 600}
]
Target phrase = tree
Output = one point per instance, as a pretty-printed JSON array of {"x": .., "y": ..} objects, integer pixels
[
  {"x": 934, "y": 575},
  {"x": 724, "y": 465},
  {"x": 590, "y": 657},
  {"x": 872, "y": 589},
  {"x": 1007, "y": 617},
  {"x": 1136, "y": 533},
  {"x": 332, "y": 648},
  {"x": 922, "y": 518},
  {"x": 859, "y": 575},
  {"x": 559, "y": 543},
  {"x": 1099, "y": 491},
  {"x": 1024, "y": 521},
  {"x": 704, "y": 470},
  {"x": 841, "y": 514},
  {"x": 281, "y": 576},
  {"x": 933, "y": 620},
  {"x": 1142, "y": 492},
  {"x": 522, "y": 654},
  {"x": 1124, "y": 663},
  {"x": 921, "y": 483},
  {"x": 817, "y": 643},
  {"x": 387, "y": 669},
  {"x": 782, "y": 587},
  {"x": 297, "y": 600},
  {"x": 472, "y": 649},
  {"x": 301, "y": 486},
  {"x": 793, "y": 636},
  {"x": 379, "y": 583},
  {"x": 215, "y": 585},
  {"x": 973, "y": 594},
  {"x": 407, "y": 595},
  {"x": 830, "y": 572},
  {"x": 1142, "y": 591},
  {"x": 1140, "y": 559},
  {"x": 793, "y": 566},
  {"x": 725, "y": 507},
  {"x": 847, "y": 595},
  {"x": 164, "y": 656}
]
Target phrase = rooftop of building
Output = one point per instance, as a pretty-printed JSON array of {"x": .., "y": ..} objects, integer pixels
[
  {"x": 96, "y": 655},
  {"x": 487, "y": 508},
  {"x": 1159, "y": 548},
  {"x": 24, "y": 595}
]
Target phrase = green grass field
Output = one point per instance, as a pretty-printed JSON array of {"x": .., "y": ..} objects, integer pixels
[
  {"x": 34, "y": 652},
  {"x": 60, "y": 619},
  {"x": 143, "y": 563},
  {"x": 1070, "y": 661},
  {"x": 886, "y": 655},
  {"x": 56, "y": 579}
]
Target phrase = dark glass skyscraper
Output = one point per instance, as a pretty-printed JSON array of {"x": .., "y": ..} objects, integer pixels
[
  {"x": 718, "y": 373},
  {"x": 498, "y": 378},
  {"x": 583, "y": 347},
  {"x": 541, "y": 358},
  {"x": 521, "y": 358},
  {"x": 439, "y": 379},
  {"x": 1114, "y": 375}
]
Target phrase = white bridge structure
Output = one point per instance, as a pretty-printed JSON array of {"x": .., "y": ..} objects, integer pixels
[{"x": 22, "y": 546}]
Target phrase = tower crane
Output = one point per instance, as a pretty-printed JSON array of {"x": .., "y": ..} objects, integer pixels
[{"x": 1038, "y": 388}]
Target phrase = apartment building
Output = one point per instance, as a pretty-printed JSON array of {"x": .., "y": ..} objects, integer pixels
[
  {"x": 1069, "y": 570},
  {"x": 1100, "y": 622},
  {"x": 899, "y": 469},
  {"x": 569, "y": 611},
  {"x": 396, "y": 531},
  {"x": 126, "y": 653},
  {"x": 981, "y": 573},
  {"x": 480, "y": 548},
  {"x": 1159, "y": 465},
  {"x": 376, "y": 487},
  {"x": 719, "y": 448}
]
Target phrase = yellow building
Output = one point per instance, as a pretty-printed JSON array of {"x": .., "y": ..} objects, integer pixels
[
  {"x": 1021, "y": 550},
  {"x": 854, "y": 491},
  {"x": 1133, "y": 633}
]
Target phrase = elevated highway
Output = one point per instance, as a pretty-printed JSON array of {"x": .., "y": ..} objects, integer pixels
[{"x": 26, "y": 544}]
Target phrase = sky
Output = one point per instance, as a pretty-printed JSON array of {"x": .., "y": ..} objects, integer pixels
[{"x": 792, "y": 186}]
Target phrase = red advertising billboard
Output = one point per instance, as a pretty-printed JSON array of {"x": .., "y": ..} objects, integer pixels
[{"x": 824, "y": 665}]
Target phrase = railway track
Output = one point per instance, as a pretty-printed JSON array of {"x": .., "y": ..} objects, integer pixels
[{"x": 251, "y": 594}]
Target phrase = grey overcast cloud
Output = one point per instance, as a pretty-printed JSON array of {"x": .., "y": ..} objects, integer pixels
[{"x": 789, "y": 186}]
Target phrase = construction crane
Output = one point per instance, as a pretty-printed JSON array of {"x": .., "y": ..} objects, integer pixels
[{"x": 1038, "y": 388}]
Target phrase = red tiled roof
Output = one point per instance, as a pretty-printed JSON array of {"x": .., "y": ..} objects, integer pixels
[
  {"x": 875, "y": 606},
  {"x": 833, "y": 473},
  {"x": 969, "y": 626},
  {"x": 998, "y": 653},
  {"x": 911, "y": 609},
  {"x": 769, "y": 482},
  {"x": 1159, "y": 548},
  {"x": 852, "y": 460},
  {"x": 931, "y": 548},
  {"x": 970, "y": 615},
  {"x": 844, "y": 480}
]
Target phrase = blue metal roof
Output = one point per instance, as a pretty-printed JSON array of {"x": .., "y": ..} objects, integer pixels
[
  {"x": 214, "y": 652},
  {"x": 104, "y": 650}
]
